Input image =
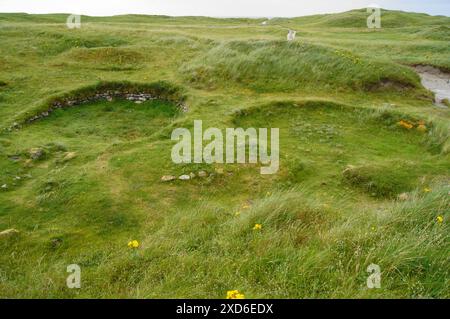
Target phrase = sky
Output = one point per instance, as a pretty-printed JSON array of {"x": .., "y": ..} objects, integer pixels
[{"x": 217, "y": 8}]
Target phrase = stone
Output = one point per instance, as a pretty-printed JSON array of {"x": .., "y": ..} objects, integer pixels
[
  {"x": 36, "y": 153},
  {"x": 56, "y": 242},
  {"x": 183, "y": 107},
  {"x": 291, "y": 35},
  {"x": 14, "y": 158},
  {"x": 69, "y": 155},
  {"x": 8, "y": 233},
  {"x": 168, "y": 178},
  {"x": 184, "y": 177},
  {"x": 138, "y": 102},
  {"x": 348, "y": 169},
  {"x": 4, "y": 186},
  {"x": 202, "y": 174},
  {"x": 219, "y": 171},
  {"x": 403, "y": 196}
]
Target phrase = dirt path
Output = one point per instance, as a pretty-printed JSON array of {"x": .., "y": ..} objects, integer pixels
[{"x": 436, "y": 81}]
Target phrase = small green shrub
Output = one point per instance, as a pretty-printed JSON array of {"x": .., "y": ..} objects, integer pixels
[{"x": 387, "y": 180}]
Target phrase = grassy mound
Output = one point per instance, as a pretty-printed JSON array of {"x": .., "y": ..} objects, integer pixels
[
  {"x": 282, "y": 66},
  {"x": 82, "y": 133},
  {"x": 358, "y": 19},
  {"x": 386, "y": 180},
  {"x": 161, "y": 90},
  {"x": 319, "y": 140},
  {"x": 441, "y": 33},
  {"x": 109, "y": 58},
  {"x": 57, "y": 42}
]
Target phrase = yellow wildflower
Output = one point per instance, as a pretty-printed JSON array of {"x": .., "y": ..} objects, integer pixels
[
  {"x": 422, "y": 128},
  {"x": 237, "y": 213},
  {"x": 257, "y": 227},
  {"x": 426, "y": 190},
  {"x": 440, "y": 219},
  {"x": 235, "y": 294},
  {"x": 246, "y": 206},
  {"x": 405, "y": 124},
  {"x": 133, "y": 244}
]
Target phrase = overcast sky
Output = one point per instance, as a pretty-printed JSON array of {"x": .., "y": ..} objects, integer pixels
[{"x": 217, "y": 8}]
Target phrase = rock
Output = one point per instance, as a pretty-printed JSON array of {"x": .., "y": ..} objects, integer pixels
[
  {"x": 36, "y": 153},
  {"x": 8, "y": 233},
  {"x": 4, "y": 186},
  {"x": 138, "y": 102},
  {"x": 28, "y": 163},
  {"x": 14, "y": 158},
  {"x": 183, "y": 107},
  {"x": 219, "y": 171},
  {"x": 168, "y": 178},
  {"x": 184, "y": 177},
  {"x": 56, "y": 242},
  {"x": 403, "y": 196},
  {"x": 109, "y": 99},
  {"x": 349, "y": 168},
  {"x": 202, "y": 174},
  {"x": 17, "y": 178},
  {"x": 69, "y": 155}
]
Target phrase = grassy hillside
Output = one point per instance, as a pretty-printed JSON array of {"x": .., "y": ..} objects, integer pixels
[
  {"x": 283, "y": 66},
  {"x": 358, "y": 18},
  {"x": 364, "y": 157}
]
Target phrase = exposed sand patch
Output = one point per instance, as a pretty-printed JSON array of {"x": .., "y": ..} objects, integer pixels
[{"x": 436, "y": 81}]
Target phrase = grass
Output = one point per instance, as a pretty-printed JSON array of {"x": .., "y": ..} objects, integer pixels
[
  {"x": 354, "y": 187},
  {"x": 282, "y": 66}
]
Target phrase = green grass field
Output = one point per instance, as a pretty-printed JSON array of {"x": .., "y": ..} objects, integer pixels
[{"x": 354, "y": 187}]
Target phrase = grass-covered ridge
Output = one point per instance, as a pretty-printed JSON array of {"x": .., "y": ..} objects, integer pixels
[
  {"x": 358, "y": 18},
  {"x": 364, "y": 157},
  {"x": 331, "y": 132},
  {"x": 283, "y": 66},
  {"x": 159, "y": 90}
]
